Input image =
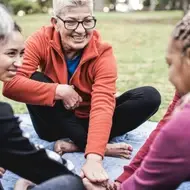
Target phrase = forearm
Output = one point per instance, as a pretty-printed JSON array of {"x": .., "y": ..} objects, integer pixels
[
  {"x": 97, "y": 140},
  {"x": 165, "y": 168},
  {"x": 137, "y": 160},
  {"x": 19, "y": 155},
  {"x": 100, "y": 124},
  {"x": 29, "y": 91}
]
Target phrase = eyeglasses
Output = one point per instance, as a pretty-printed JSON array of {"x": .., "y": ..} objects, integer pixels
[{"x": 88, "y": 23}]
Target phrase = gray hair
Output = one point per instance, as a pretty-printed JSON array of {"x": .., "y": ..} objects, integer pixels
[
  {"x": 6, "y": 24},
  {"x": 59, "y": 6}
]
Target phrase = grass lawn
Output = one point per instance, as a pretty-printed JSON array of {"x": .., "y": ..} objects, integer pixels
[{"x": 139, "y": 41}]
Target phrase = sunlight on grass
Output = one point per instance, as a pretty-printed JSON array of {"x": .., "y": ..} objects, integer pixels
[{"x": 139, "y": 41}]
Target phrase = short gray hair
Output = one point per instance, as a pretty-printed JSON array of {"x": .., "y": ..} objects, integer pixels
[
  {"x": 60, "y": 5},
  {"x": 6, "y": 24}
]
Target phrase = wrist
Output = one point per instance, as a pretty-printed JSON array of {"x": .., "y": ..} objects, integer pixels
[
  {"x": 57, "y": 93},
  {"x": 94, "y": 157}
]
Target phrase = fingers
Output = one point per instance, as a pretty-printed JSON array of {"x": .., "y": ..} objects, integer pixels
[
  {"x": 2, "y": 171},
  {"x": 100, "y": 177},
  {"x": 82, "y": 174},
  {"x": 72, "y": 103},
  {"x": 87, "y": 184},
  {"x": 96, "y": 177},
  {"x": 80, "y": 99},
  {"x": 111, "y": 186},
  {"x": 117, "y": 185},
  {"x": 71, "y": 106},
  {"x": 57, "y": 147}
]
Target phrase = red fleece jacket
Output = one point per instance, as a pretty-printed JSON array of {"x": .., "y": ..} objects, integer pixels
[{"x": 94, "y": 80}]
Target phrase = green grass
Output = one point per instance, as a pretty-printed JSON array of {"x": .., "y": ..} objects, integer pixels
[{"x": 139, "y": 41}]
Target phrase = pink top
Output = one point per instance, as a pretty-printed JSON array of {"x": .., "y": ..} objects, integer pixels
[
  {"x": 139, "y": 157},
  {"x": 167, "y": 164}
]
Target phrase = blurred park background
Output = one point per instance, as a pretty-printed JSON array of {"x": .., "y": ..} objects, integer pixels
[{"x": 138, "y": 31}]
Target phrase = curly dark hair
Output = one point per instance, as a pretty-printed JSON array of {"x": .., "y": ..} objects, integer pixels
[{"x": 182, "y": 31}]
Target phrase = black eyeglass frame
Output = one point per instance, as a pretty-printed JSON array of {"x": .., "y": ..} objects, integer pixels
[{"x": 79, "y": 22}]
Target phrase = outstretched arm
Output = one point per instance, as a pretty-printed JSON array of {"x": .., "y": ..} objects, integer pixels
[
  {"x": 167, "y": 164},
  {"x": 20, "y": 156},
  {"x": 137, "y": 160}
]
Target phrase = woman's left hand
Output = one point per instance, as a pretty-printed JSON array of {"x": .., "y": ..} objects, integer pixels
[
  {"x": 98, "y": 186},
  {"x": 2, "y": 171},
  {"x": 93, "y": 169}
]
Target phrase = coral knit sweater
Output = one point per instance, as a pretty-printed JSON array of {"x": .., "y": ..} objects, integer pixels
[
  {"x": 94, "y": 79},
  {"x": 137, "y": 160}
]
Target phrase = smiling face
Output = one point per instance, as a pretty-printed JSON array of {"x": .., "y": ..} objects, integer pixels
[
  {"x": 74, "y": 40},
  {"x": 11, "y": 53},
  {"x": 179, "y": 66}
]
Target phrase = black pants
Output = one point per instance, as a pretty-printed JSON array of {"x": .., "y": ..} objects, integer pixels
[
  {"x": 18, "y": 155},
  {"x": 1, "y": 187},
  {"x": 66, "y": 182},
  {"x": 132, "y": 109}
]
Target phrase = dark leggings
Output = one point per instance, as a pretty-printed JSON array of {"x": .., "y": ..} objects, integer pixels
[
  {"x": 18, "y": 155},
  {"x": 132, "y": 109},
  {"x": 67, "y": 182},
  {"x": 1, "y": 187}
]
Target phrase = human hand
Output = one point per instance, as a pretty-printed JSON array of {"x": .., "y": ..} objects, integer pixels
[
  {"x": 93, "y": 169},
  {"x": 113, "y": 186},
  {"x": 92, "y": 186},
  {"x": 2, "y": 171},
  {"x": 68, "y": 95},
  {"x": 99, "y": 186},
  {"x": 117, "y": 185}
]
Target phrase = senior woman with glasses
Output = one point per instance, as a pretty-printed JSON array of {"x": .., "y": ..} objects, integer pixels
[
  {"x": 17, "y": 154},
  {"x": 73, "y": 95}
]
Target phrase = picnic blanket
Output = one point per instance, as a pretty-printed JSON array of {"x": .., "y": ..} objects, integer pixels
[{"x": 114, "y": 166}]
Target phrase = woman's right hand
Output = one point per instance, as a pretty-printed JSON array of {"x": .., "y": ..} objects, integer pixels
[
  {"x": 116, "y": 185},
  {"x": 68, "y": 95},
  {"x": 2, "y": 171}
]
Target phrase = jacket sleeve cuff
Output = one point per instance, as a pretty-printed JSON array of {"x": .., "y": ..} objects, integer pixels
[
  {"x": 51, "y": 100},
  {"x": 125, "y": 175}
]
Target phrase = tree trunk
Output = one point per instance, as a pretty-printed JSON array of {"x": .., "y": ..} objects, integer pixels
[
  {"x": 98, "y": 5},
  {"x": 152, "y": 5},
  {"x": 185, "y": 6},
  {"x": 181, "y": 4},
  {"x": 173, "y": 4}
]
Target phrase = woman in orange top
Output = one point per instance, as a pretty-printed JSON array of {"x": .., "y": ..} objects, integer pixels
[
  {"x": 17, "y": 154},
  {"x": 74, "y": 93}
]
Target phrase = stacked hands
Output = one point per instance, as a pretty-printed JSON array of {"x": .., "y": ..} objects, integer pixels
[
  {"x": 95, "y": 177},
  {"x": 93, "y": 174},
  {"x": 68, "y": 95},
  {"x": 100, "y": 186}
]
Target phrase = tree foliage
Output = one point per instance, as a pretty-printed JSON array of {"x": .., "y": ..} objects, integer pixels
[
  {"x": 42, "y": 5},
  {"x": 27, "y": 6}
]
